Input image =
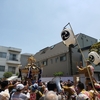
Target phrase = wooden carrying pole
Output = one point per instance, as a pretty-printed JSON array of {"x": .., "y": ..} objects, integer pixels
[{"x": 83, "y": 57}]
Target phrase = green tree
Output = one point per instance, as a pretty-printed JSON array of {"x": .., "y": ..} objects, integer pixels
[
  {"x": 95, "y": 47},
  {"x": 7, "y": 74},
  {"x": 58, "y": 74},
  {"x": 17, "y": 74}
]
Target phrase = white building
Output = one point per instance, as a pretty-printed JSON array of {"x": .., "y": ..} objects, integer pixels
[{"x": 9, "y": 60}]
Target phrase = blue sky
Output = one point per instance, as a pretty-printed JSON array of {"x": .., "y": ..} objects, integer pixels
[{"x": 32, "y": 25}]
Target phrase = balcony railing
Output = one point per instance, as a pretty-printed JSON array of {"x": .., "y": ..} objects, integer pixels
[
  {"x": 14, "y": 49},
  {"x": 13, "y": 61}
]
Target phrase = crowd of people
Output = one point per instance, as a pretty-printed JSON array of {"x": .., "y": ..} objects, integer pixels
[
  {"x": 51, "y": 90},
  {"x": 23, "y": 90}
]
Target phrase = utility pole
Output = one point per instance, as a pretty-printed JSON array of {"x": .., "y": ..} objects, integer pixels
[{"x": 70, "y": 56}]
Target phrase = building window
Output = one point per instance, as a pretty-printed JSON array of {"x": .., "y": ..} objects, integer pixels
[
  {"x": 56, "y": 59},
  {"x": 63, "y": 58},
  {"x": 2, "y": 68},
  {"x": 3, "y": 54},
  {"x": 44, "y": 50},
  {"x": 13, "y": 57},
  {"x": 51, "y": 61},
  {"x": 82, "y": 38},
  {"x": 45, "y": 62},
  {"x": 11, "y": 69},
  {"x": 86, "y": 39},
  {"x": 38, "y": 64},
  {"x": 52, "y": 47}
]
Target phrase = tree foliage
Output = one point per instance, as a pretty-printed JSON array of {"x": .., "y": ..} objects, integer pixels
[
  {"x": 58, "y": 74},
  {"x": 7, "y": 74},
  {"x": 95, "y": 47}
]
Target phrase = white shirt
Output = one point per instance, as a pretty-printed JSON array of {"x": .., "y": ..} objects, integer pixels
[
  {"x": 4, "y": 95},
  {"x": 82, "y": 96}
]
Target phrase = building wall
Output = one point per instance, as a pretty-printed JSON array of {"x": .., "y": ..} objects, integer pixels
[
  {"x": 76, "y": 57},
  {"x": 85, "y": 40},
  {"x": 51, "y": 54},
  {"x": 59, "y": 66},
  {"x": 55, "y": 65},
  {"x": 60, "y": 49},
  {"x": 9, "y": 60}
]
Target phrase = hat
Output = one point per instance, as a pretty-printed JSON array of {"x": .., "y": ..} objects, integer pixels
[
  {"x": 34, "y": 87},
  {"x": 19, "y": 86},
  {"x": 33, "y": 82},
  {"x": 39, "y": 81}
]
